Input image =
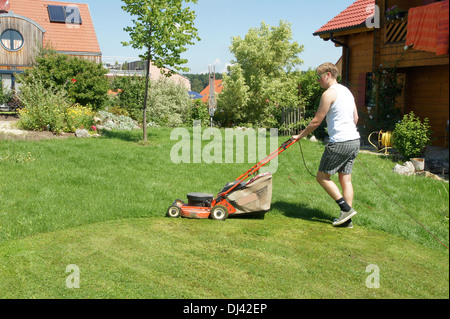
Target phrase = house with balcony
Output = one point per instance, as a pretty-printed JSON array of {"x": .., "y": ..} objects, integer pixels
[
  {"x": 27, "y": 26},
  {"x": 411, "y": 35}
]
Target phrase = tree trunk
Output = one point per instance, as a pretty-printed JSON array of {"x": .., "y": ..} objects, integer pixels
[{"x": 147, "y": 77}]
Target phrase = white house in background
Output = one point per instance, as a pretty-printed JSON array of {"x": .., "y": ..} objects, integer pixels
[{"x": 138, "y": 68}]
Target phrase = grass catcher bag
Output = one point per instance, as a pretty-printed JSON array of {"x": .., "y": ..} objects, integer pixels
[{"x": 254, "y": 197}]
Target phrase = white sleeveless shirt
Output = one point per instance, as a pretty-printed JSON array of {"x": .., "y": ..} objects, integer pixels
[{"x": 340, "y": 120}]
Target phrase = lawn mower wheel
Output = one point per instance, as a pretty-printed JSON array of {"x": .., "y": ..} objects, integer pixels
[
  {"x": 173, "y": 211},
  {"x": 219, "y": 212}
]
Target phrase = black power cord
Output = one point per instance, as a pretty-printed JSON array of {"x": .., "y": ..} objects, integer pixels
[{"x": 303, "y": 157}]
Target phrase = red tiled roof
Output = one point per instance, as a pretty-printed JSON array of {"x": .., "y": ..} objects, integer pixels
[
  {"x": 355, "y": 15},
  {"x": 60, "y": 37},
  {"x": 218, "y": 87}
]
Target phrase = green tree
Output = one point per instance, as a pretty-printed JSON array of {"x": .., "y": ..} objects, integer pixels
[
  {"x": 196, "y": 85},
  {"x": 163, "y": 28},
  {"x": 131, "y": 94},
  {"x": 83, "y": 80},
  {"x": 234, "y": 97},
  {"x": 310, "y": 94},
  {"x": 267, "y": 58}
]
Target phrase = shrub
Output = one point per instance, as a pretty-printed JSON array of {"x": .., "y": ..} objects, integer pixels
[
  {"x": 199, "y": 111},
  {"x": 49, "y": 109},
  {"x": 131, "y": 94},
  {"x": 410, "y": 136},
  {"x": 14, "y": 103},
  {"x": 117, "y": 110},
  {"x": 116, "y": 122},
  {"x": 44, "y": 107},
  {"x": 5, "y": 95},
  {"x": 168, "y": 103},
  {"x": 8, "y": 98},
  {"x": 84, "y": 81}
]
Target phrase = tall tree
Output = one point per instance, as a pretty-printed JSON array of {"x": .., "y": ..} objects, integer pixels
[
  {"x": 266, "y": 61},
  {"x": 163, "y": 28}
]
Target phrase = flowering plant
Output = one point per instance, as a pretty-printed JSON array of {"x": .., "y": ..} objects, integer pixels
[
  {"x": 78, "y": 116},
  {"x": 394, "y": 12}
]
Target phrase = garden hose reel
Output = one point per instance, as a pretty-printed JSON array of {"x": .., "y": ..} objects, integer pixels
[{"x": 384, "y": 141}]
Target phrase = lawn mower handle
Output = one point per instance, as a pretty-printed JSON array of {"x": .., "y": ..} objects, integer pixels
[
  {"x": 258, "y": 165},
  {"x": 286, "y": 144}
]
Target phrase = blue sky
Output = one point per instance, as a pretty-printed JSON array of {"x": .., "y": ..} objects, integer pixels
[{"x": 218, "y": 21}]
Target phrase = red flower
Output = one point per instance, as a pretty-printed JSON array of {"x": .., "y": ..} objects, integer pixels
[
  {"x": 74, "y": 80},
  {"x": 94, "y": 128}
]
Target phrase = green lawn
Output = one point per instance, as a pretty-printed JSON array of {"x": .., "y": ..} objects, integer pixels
[{"x": 100, "y": 204}]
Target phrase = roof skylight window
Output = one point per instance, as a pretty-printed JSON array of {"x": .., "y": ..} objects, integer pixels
[{"x": 64, "y": 14}]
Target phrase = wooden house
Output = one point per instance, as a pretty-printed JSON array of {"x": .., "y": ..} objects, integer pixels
[
  {"x": 371, "y": 35},
  {"x": 27, "y": 26}
]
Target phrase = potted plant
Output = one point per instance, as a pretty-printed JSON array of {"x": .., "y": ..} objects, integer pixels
[
  {"x": 394, "y": 13},
  {"x": 411, "y": 136}
]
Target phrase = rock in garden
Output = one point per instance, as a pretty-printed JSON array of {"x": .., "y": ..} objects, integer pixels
[
  {"x": 437, "y": 166},
  {"x": 429, "y": 175},
  {"x": 106, "y": 128},
  {"x": 82, "y": 133},
  {"x": 406, "y": 169},
  {"x": 97, "y": 120}
]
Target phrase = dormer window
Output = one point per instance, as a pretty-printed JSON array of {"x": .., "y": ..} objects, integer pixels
[
  {"x": 64, "y": 14},
  {"x": 12, "y": 40}
]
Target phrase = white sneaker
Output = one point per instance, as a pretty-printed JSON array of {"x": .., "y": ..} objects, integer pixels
[
  {"x": 347, "y": 224},
  {"x": 344, "y": 217}
]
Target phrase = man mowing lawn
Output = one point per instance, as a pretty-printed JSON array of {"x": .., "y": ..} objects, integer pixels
[{"x": 337, "y": 105}]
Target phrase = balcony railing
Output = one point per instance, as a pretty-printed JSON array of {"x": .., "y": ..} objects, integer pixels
[{"x": 395, "y": 32}]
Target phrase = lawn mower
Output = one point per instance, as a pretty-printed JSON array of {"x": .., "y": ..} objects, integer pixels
[{"x": 236, "y": 198}]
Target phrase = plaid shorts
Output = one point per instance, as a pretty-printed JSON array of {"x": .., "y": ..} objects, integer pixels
[{"x": 339, "y": 157}]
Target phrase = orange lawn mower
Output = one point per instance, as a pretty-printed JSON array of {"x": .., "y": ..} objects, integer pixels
[{"x": 236, "y": 198}]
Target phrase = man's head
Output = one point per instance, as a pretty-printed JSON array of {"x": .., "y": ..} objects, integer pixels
[
  {"x": 328, "y": 67},
  {"x": 325, "y": 73}
]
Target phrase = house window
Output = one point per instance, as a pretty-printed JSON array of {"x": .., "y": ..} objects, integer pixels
[
  {"x": 12, "y": 40},
  {"x": 369, "y": 88}
]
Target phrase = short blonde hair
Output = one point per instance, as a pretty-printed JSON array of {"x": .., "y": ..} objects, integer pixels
[{"x": 328, "y": 67}]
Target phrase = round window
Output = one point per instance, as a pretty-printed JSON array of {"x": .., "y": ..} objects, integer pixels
[{"x": 12, "y": 40}]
